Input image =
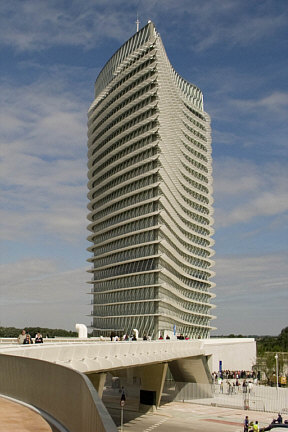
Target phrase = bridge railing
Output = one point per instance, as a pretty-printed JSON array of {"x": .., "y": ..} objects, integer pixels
[{"x": 62, "y": 393}]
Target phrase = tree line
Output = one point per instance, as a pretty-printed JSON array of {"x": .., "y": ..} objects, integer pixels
[
  {"x": 273, "y": 343},
  {"x": 13, "y": 332},
  {"x": 266, "y": 343}
]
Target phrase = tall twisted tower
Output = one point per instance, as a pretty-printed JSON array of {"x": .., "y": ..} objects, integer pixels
[{"x": 150, "y": 192}]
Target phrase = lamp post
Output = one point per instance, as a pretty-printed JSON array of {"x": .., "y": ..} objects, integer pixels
[
  {"x": 122, "y": 403},
  {"x": 276, "y": 359}
]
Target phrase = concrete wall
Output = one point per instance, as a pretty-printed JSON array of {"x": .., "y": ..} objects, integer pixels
[
  {"x": 64, "y": 394},
  {"x": 235, "y": 354}
]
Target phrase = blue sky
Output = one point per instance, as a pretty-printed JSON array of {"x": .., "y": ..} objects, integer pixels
[{"x": 50, "y": 55}]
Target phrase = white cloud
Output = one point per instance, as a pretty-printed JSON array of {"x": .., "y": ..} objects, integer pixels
[
  {"x": 267, "y": 204},
  {"x": 43, "y": 160},
  {"x": 275, "y": 103},
  {"x": 251, "y": 104},
  {"x": 34, "y": 26},
  {"x": 243, "y": 190},
  {"x": 234, "y": 177},
  {"x": 35, "y": 218},
  {"x": 36, "y": 292},
  {"x": 224, "y": 22},
  {"x": 251, "y": 294},
  {"x": 248, "y": 29},
  {"x": 42, "y": 118},
  {"x": 25, "y": 271},
  {"x": 251, "y": 276}
]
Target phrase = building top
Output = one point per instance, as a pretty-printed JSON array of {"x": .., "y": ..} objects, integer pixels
[
  {"x": 126, "y": 55},
  {"x": 146, "y": 34}
]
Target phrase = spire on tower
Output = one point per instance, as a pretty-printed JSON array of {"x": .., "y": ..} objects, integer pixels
[{"x": 137, "y": 23}]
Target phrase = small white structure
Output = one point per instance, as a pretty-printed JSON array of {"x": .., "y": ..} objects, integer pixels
[
  {"x": 82, "y": 331},
  {"x": 136, "y": 333}
]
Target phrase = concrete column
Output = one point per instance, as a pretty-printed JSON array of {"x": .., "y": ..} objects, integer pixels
[
  {"x": 98, "y": 381},
  {"x": 153, "y": 378},
  {"x": 194, "y": 369},
  {"x": 129, "y": 376}
]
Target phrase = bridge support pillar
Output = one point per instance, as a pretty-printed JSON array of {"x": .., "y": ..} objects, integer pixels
[
  {"x": 98, "y": 381},
  {"x": 153, "y": 378},
  {"x": 194, "y": 369}
]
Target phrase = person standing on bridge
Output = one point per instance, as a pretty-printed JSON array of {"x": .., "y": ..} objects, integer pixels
[
  {"x": 21, "y": 337},
  {"x": 28, "y": 340},
  {"x": 38, "y": 338}
]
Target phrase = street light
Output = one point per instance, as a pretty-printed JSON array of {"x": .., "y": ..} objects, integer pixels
[{"x": 276, "y": 358}]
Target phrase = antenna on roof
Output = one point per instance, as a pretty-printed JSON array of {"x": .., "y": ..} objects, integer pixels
[{"x": 137, "y": 23}]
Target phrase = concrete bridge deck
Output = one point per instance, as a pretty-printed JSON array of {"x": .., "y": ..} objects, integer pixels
[
  {"x": 102, "y": 356},
  {"x": 89, "y": 355},
  {"x": 66, "y": 365}
]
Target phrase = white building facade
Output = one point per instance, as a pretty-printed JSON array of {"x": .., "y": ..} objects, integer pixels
[{"x": 150, "y": 192}]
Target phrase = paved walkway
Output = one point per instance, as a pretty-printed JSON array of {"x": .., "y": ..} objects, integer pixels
[
  {"x": 188, "y": 417},
  {"x": 169, "y": 418},
  {"x": 15, "y": 417}
]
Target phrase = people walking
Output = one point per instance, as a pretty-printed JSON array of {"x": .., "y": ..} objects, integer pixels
[
  {"x": 256, "y": 426},
  {"x": 244, "y": 386},
  {"x": 246, "y": 424}
]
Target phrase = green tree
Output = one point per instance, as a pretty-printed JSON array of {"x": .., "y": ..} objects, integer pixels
[{"x": 12, "y": 332}]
